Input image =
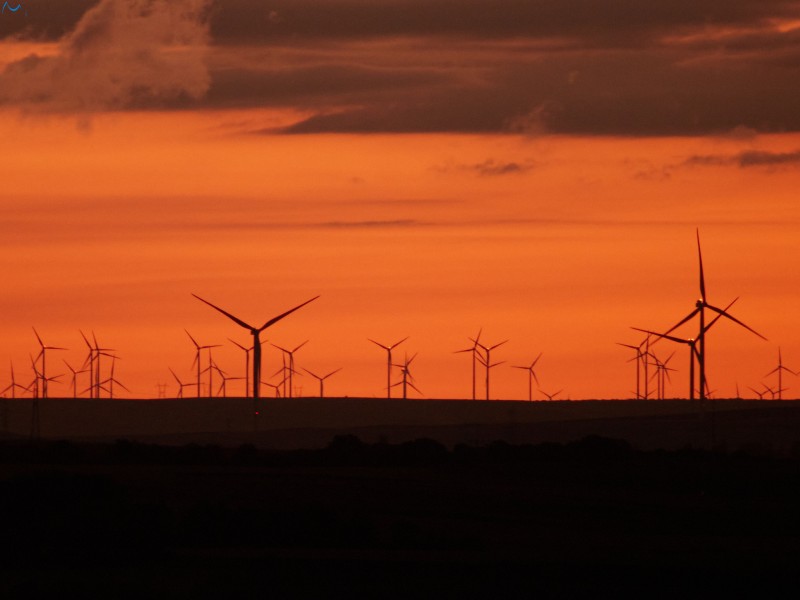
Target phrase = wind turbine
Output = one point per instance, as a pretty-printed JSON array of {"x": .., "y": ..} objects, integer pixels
[
  {"x": 181, "y": 385},
  {"x": 223, "y": 387},
  {"x": 551, "y": 396},
  {"x": 474, "y": 350},
  {"x": 486, "y": 361},
  {"x": 292, "y": 370},
  {"x": 256, "y": 332},
  {"x": 13, "y": 386},
  {"x": 74, "y": 381},
  {"x": 694, "y": 353},
  {"x": 43, "y": 356},
  {"x": 757, "y": 393},
  {"x": 408, "y": 379},
  {"x": 196, "y": 361},
  {"x": 531, "y": 375},
  {"x": 389, "y": 363},
  {"x": 321, "y": 379},
  {"x": 700, "y": 307},
  {"x": 111, "y": 381},
  {"x": 638, "y": 359},
  {"x": 779, "y": 370},
  {"x": 246, "y": 366}
]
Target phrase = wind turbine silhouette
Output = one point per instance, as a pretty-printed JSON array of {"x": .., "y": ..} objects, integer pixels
[
  {"x": 486, "y": 361},
  {"x": 389, "y": 363},
  {"x": 474, "y": 350},
  {"x": 74, "y": 382},
  {"x": 551, "y": 396},
  {"x": 256, "y": 333},
  {"x": 638, "y": 359},
  {"x": 661, "y": 375},
  {"x": 757, "y": 393},
  {"x": 246, "y": 366},
  {"x": 13, "y": 386},
  {"x": 292, "y": 370},
  {"x": 43, "y": 356},
  {"x": 223, "y": 387},
  {"x": 321, "y": 379},
  {"x": 408, "y": 379},
  {"x": 779, "y": 370},
  {"x": 694, "y": 353},
  {"x": 700, "y": 307},
  {"x": 531, "y": 375},
  {"x": 196, "y": 361},
  {"x": 181, "y": 385},
  {"x": 112, "y": 380}
]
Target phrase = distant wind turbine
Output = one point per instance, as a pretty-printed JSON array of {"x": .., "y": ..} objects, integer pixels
[
  {"x": 531, "y": 375},
  {"x": 486, "y": 361},
  {"x": 246, "y": 366},
  {"x": 408, "y": 379},
  {"x": 74, "y": 381},
  {"x": 321, "y": 379},
  {"x": 388, "y": 363},
  {"x": 779, "y": 370},
  {"x": 181, "y": 385},
  {"x": 551, "y": 396},
  {"x": 43, "y": 357},
  {"x": 196, "y": 362},
  {"x": 292, "y": 370},
  {"x": 474, "y": 351}
]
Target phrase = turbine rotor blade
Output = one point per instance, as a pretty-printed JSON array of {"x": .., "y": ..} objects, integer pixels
[
  {"x": 236, "y": 320},
  {"x": 274, "y": 320},
  {"x": 735, "y": 320}
]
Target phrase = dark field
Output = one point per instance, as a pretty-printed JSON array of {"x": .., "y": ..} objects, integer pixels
[{"x": 587, "y": 516}]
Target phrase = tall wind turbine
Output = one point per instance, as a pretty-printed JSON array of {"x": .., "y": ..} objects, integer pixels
[
  {"x": 321, "y": 379},
  {"x": 700, "y": 307},
  {"x": 256, "y": 332},
  {"x": 43, "y": 356},
  {"x": 292, "y": 371},
  {"x": 486, "y": 361},
  {"x": 779, "y": 370},
  {"x": 474, "y": 351},
  {"x": 111, "y": 381},
  {"x": 694, "y": 353},
  {"x": 531, "y": 375},
  {"x": 388, "y": 363}
]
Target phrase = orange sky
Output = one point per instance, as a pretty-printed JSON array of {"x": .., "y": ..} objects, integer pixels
[{"x": 556, "y": 241}]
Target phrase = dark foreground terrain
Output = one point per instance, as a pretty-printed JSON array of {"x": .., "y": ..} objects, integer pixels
[{"x": 590, "y": 518}]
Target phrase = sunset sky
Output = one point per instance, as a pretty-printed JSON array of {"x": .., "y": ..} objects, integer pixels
[{"x": 535, "y": 168}]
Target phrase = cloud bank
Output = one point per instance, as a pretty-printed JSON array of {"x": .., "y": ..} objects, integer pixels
[
  {"x": 121, "y": 54},
  {"x": 586, "y": 67}
]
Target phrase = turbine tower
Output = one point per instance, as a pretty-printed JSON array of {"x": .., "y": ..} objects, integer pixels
[
  {"x": 388, "y": 363},
  {"x": 246, "y": 366},
  {"x": 256, "y": 333},
  {"x": 196, "y": 361}
]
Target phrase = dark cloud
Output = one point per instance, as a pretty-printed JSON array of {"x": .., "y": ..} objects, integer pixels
[
  {"x": 597, "y": 67},
  {"x": 489, "y": 168},
  {"x": 121, "y": 54},
  {"x": 749, "y": 158}
]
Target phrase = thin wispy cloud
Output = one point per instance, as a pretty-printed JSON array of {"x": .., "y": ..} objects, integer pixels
[{"x": 746, "y": 159}]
